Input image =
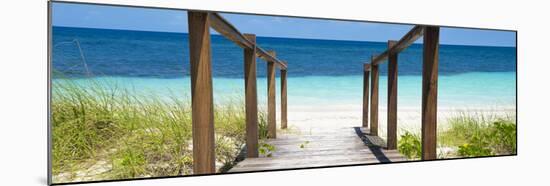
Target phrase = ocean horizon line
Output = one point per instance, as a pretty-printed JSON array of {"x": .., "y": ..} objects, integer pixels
[
  {"x": 263, "y": 77},
  {"x": 276, "y": 37}
]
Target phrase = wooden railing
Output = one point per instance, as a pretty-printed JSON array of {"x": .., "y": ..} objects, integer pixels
[
  {"x": 202, "y": 92},
  {"x": 429, "y": 88}
]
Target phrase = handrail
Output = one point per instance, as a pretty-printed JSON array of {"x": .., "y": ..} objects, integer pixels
[
  {"x": 407, "y": 40},
  {"x": 226, "y": 29},
  {"x": 199, "y": 24},
  {"x": 430, "y": 61},
  {"x": 268, "y": 57}
]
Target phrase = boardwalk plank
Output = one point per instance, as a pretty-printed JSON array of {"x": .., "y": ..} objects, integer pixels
[{"x": 339, "y": 146}]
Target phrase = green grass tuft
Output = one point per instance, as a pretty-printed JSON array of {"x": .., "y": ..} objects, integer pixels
[
  {"x": 471, "y": 134},
  {"x": 410, "y": 146},
  {"x": 139, "y": 134}
]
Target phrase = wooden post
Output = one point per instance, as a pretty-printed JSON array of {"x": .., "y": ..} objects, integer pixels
[
  {"x": 271, "y": 120},
  {"x": 392, "y": 97},
  {"x": 251, "y": 98},
  {"x": 366, "y": 71},
  {"x": 374, "y": 99},
  {"x": 429, "y": 92},
  {"x": 201, "y": 93},
  {"x": 283, "y": 100}
]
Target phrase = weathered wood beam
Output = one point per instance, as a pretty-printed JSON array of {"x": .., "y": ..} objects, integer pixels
[
  {"x": 268, "y": 57},
  {"x": 283, "y": 99},
  {"x": 407, "y": 40},
  {"x": 374, "y": 99},
  {"x": 366, "y": 71},
  {"x": 226, "y": 29},
  {"x": 392, "y": 97},
  {"x": 429, "y": 93},
  {"x": 251, "y": 99},
  {"x": 201, "y": 93},
  {"x": 271, "y": 109}
]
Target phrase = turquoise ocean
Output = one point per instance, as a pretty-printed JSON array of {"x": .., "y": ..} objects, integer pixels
[{"x": 320, "y": 72}]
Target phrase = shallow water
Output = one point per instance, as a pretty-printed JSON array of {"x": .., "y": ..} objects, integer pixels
[
  {"x": 468, "y": 90},
  {"x": 320, "y": 72}
]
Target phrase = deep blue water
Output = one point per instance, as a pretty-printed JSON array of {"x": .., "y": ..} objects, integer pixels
[{"x": 165, "y": 55}]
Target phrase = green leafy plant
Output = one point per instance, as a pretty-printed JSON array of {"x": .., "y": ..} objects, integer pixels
[
  {"x": 480, "y": 134},
  {"x": 266, "y": 149},
  {"x": 503, "y": 137},
  {"x": 494, "y": 139},
  {"x": 410, "y": 146},
  {"x": 468, "y": 150}
]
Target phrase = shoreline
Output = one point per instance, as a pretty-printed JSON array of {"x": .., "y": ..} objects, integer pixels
[
  {"x": 314, "y": 119},
  {"x": 468, "y": 90},
  {"x": 331, "y": 100}
]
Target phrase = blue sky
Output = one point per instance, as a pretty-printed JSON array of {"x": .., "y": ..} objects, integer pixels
[{"x": 110, "y": 17}]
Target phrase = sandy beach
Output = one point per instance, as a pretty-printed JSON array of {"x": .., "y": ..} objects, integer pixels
[{"x": 320, "y": 118}]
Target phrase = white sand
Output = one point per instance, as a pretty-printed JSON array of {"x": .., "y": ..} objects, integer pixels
[{"x": 314, "y": 118}]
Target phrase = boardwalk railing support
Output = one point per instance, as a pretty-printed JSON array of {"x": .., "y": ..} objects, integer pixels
[
  {"x": 366, "y": 70},
  {"x": 283, "y": 100},
  {"x": 429, "y": 87},
  {"x": 251, "y": 98},
  {"x": 429, "y": 92},
  {"x": 374, "y": 99},
  {"x": 392, "y": 97},
  {"x": 201, "y": 93},
  {"x": 271, "y": 118},
  {"x": 199, "y": 24}
]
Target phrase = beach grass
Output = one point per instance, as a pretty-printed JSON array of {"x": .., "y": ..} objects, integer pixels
[
  {"x": 468, "y": 134},
  {"x": 101, "y": 131},
  {"x": 477, "y": 134}
]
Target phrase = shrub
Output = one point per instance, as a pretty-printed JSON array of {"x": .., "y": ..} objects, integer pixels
[
  {"x": 410, "y": 146},
  {"x": 503, "y": 137},
  {"x": 474, "y": 149},
  {"x": 480, "y": 134},
  {"x": 494, "y": 139}
]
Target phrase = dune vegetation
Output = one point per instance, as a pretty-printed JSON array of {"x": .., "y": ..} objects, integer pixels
[
  {"x": 100, "y": 131},
  {"x": 468, "y": 134}
]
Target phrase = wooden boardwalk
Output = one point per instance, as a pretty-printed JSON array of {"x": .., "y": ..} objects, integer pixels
[
  {"x": 340, "y": 146},
  {"x": 331, "y": 147}
]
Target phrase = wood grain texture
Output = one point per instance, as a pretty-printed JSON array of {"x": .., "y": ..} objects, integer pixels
[
  {"x": 366, "y": 78},
  {"x": 271, "y": 109},
  {"x": 392, "y": 97},
  {"x": 201, "y": 93},
  {"x": 283, "y": 100},
  {"x": 268, "y": 57},
  {"x": 407, "y": 40},
  {"x": 342, "y": 146},
  {"x": 251, "y": 98},
  {"x": 429, "y": 93},
  {"x": 227, "y": 30},
  {"x": 374, "y": 100}
]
